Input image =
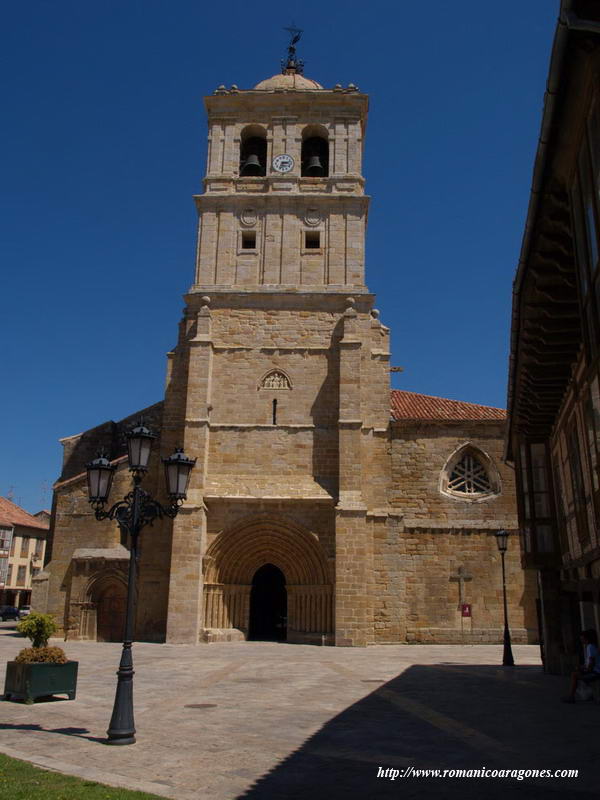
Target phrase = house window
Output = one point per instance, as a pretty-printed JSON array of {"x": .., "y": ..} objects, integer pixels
[
  {"x": 592, "y": 423},
  {"x": 585, "y": 215},
  {"x": 39, "y": 548},
  {"x": 5, "y": 538},
  {"x": 25, "y": 546},
  {"x": 469, "y": 475},
  {"x": 589, "y": 214},
  {"x": 9, "y": 575},
  {"x": 562, "y": 503},
  {"x": 21, "y": 576},
  {"x": 579, "y": 494},
  {"x": 535, "y": 498}
]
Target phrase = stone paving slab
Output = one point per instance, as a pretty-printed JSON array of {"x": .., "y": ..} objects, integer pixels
[{"x": 297, "y": 721}]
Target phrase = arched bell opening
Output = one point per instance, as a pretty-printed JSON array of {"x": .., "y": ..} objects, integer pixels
[
  {"x": 315, "y": 153},
  {"x": 253, "y": 152},
  {"x": 268, "y": 605}
]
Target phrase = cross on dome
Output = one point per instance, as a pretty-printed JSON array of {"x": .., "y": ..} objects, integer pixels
[{"x": 292, "y": 65}]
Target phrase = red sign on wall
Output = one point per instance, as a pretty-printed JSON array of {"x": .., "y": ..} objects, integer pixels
[{"x": 465, "y": 610}]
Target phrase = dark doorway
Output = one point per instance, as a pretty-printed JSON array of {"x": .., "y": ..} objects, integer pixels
[
  {"x": 110, "y": 620},
  {"x": 268, "y": 605}
]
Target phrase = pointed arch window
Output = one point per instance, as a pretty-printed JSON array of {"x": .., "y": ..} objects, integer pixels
[{"x": 470, "y": 474}]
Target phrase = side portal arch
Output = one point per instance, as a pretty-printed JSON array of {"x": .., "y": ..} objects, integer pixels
[{"x": 103, "y": 607}]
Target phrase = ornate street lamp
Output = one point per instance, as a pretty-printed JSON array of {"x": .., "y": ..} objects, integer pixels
[
  {"x": 507, "y": 656},
  {"x": 136, "y": 510}
]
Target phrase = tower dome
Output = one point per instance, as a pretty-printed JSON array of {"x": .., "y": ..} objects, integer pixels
[{"x": 290, "y": 80}]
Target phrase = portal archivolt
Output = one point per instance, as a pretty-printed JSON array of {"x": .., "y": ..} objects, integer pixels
[{"x": 235, "y": 557}]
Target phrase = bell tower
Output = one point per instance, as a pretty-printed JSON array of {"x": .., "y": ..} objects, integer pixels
[
  {"x": 279, "y": 383},
  {"x": 284, "y": 204}
]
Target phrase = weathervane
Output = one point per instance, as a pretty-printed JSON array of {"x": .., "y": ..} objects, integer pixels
[{"x": 291, "y": 63}]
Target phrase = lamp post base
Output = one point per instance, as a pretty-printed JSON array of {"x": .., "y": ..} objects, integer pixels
[
  {"x": 122, "y": 727},
  {"x": 113, "y": 739}
]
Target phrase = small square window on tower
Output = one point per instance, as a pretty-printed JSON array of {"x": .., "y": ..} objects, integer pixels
[
  {"x": 312, "y": 240},
  {"x": 248, "y": 240}
]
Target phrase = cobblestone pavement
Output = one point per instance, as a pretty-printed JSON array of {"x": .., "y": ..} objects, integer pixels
[{"x": 265, "y": 720}]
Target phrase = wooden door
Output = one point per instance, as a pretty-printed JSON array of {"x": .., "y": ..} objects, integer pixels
[{"x": 110, "y": 621}]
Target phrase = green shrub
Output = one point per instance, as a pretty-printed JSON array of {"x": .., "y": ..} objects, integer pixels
[
  {"x": 38, "y": 628},
  {"x": 42, "y": 655}
]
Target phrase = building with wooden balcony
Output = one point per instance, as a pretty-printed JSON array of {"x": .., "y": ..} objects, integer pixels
[
  {"x": 23, "y": 538},
  {"x": 554, "y": 389}
]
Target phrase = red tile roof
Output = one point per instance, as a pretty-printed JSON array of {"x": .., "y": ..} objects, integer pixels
[
  {"x": 413, "y": 406},
  {"x": 12, "y": 514}
]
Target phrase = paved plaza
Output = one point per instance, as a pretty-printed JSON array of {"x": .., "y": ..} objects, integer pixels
[{"x": 266, "y": 720}]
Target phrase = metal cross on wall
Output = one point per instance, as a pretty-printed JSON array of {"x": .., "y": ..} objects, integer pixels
[{"x": 461, "y": 577}]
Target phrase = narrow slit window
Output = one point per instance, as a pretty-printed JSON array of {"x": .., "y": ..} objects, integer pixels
[
  {"x": 248, "y": 240},
  {"x": 275, "y": 412},
  {"x": 312, "y": 240}
]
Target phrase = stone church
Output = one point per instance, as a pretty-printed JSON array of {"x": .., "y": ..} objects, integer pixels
[{"x": 324, "y": 508}]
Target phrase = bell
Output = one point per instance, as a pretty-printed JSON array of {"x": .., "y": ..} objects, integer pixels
[
  {"x": 314, "y": 168},
  {"x": 251, "y": 166}
]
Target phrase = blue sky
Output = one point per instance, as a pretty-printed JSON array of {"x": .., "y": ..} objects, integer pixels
[{"x": 104, "y": 145}]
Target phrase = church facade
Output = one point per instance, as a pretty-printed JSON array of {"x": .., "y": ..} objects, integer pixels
[{"x": 323, "y": 507}]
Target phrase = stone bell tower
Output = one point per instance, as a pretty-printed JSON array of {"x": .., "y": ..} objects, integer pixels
[{"x": 279, "y": 383}]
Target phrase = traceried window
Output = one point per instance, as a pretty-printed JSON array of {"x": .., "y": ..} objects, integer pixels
[{"x": 470, "y": 475}]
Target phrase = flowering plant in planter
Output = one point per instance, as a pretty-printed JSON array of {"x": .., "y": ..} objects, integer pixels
[
  {"x": 40, "y": 670},
  {"x": 39, "y": 628}
]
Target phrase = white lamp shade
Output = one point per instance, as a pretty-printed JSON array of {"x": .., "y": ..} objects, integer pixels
[
  {"x": 99, "y": 475},
  {"x": 178, "y": 468},
  {"x": 139, "y": 444}
]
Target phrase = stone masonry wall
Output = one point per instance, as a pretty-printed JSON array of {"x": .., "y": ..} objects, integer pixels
[
  {"x": 66, "y": 587},
  {"x": 430, "y": 536}
]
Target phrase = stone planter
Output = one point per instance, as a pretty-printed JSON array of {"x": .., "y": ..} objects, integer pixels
[{"x": 28, "y": 681}]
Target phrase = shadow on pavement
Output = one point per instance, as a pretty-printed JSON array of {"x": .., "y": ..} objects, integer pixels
[
  {"x": 78, "y": 732},
  {"x": 448, "y": 716}
]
